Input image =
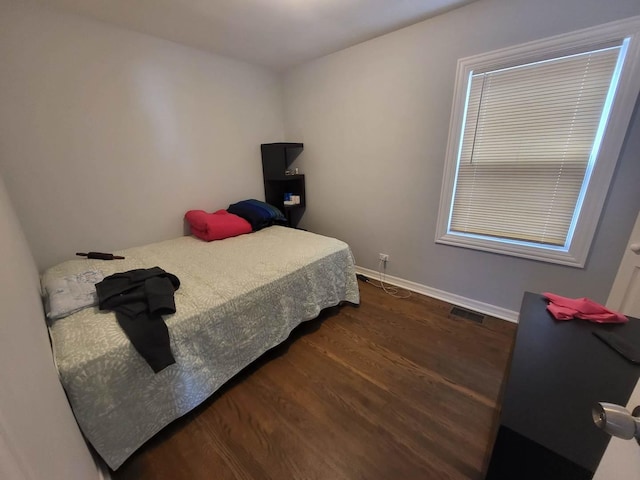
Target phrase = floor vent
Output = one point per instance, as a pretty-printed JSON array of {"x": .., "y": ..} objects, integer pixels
[{"x": 467, "y": 314}]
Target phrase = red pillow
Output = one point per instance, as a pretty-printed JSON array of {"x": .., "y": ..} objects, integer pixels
[{"x": 216, "y": 225}]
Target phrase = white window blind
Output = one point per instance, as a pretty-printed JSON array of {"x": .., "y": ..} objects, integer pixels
[{"x": 529, "y": 140}]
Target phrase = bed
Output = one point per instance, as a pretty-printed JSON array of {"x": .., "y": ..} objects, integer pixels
[{"x": 238, "y": 298}]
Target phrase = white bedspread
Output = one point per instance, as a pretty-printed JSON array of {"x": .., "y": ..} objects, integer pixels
[{"x": 238, "y": 298}]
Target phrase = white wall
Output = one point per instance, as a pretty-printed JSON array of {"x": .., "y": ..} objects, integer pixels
[
  {"x": 108, "y": 136},
  {"x": 374, "y": 119},
  {"x": 39, "y": 437}
]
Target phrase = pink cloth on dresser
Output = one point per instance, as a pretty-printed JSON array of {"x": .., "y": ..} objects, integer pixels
[{"x": 563, "y": 308}]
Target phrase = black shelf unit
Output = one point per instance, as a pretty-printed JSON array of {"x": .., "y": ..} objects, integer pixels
[{"x": 276, "y": 160}]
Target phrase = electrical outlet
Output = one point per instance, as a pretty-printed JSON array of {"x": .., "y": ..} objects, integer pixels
[{"x": 383, "y": 257}]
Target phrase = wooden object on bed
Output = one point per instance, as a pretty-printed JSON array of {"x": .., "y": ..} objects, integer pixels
[
  {"x": 100, "y": 255},
  {"x": 239, "y": 297}
]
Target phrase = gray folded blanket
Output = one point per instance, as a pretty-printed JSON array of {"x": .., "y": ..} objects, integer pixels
[{"x": 67, "y": 295}]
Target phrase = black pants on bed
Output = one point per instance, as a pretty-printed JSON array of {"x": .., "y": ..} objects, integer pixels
[{"x": 140, "y": 298}]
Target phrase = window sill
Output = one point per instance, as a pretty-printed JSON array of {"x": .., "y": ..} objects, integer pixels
[{"x": 549, "y": 254}]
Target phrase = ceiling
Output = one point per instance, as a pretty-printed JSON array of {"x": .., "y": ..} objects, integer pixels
[{"x": 274, "y": 33}]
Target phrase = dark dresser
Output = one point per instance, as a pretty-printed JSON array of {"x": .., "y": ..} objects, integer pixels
[{"x": 558, "y": 371}]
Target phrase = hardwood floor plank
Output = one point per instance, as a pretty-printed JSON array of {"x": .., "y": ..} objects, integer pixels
[
  {"x": 392, "y": 389},
  {"x": 466, "y": 368},
  {"x": 384, "y": 410},
  {"x": 264, "y": 438},
  {"x": 443, "y": 409},
  {"x": 428, "y": 386}
]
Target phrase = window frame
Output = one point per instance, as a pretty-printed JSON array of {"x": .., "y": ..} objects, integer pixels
[{"x": 628, "y": 89}]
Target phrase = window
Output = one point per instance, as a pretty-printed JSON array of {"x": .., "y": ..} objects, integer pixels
[{"x": 535, "y": 134}]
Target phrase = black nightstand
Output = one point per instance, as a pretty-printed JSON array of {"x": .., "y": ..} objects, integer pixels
[{"x": 276, "y": 160}]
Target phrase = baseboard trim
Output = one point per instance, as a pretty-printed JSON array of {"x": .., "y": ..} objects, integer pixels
[{"x": 459, "y": 300}]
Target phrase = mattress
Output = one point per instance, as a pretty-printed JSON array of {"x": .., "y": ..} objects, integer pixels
[{"x": 238, "y": 298}]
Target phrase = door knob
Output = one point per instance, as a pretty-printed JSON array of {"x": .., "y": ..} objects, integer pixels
[{"x": 635, "y": 248}]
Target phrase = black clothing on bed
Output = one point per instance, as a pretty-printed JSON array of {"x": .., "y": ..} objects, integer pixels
[{"x": 139, "y": 298}]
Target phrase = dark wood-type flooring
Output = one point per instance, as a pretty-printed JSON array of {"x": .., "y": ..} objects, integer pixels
[{"x": 392, "y": 389}]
